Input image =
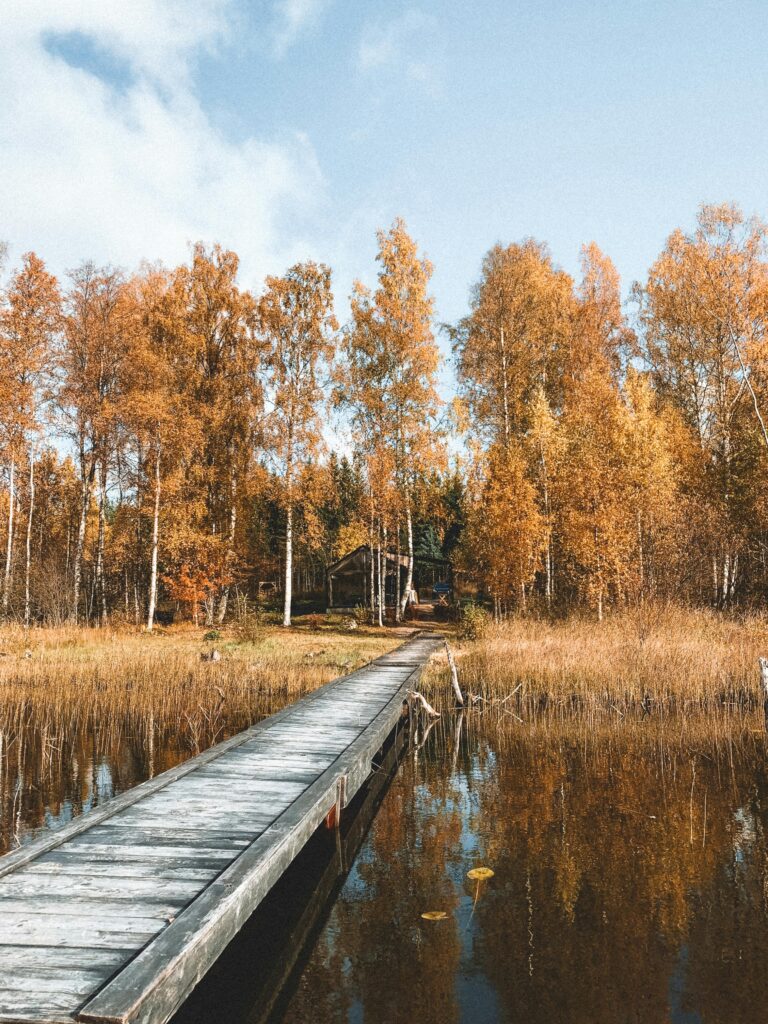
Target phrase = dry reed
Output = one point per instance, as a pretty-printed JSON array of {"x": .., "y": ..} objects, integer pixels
[{"x": 650, "y": 660}]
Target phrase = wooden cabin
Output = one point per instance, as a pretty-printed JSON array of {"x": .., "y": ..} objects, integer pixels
[{"x": 349, "y": 579}]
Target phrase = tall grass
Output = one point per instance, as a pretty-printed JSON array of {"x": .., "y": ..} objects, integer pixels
[{"x": 651, "y": 660}]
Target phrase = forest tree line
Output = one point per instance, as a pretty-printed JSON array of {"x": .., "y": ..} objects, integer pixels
[{"x": 164, "y": 435}]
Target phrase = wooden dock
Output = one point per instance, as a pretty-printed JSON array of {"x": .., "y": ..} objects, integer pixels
[{"x": 117, "y": 916}]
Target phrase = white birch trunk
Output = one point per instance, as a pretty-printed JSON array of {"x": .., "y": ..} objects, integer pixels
[
  {"x": 155, "y": 545},
  {"x": 28, "y": 559},
  {"x": 288, "y": 564},
  {"x": 381, "y": 581},
  {"x": 9, "y": 543},
  {"x": 548, "y": 581},
  {"x": 77, "y": 572},
  {"x": 101, "y": 595},
  {"x": 398, "y": 584},
  {"x": 372, "y": 568},
  {"x": 409, "y": 532},
  {"x": 224, "y": 599}
]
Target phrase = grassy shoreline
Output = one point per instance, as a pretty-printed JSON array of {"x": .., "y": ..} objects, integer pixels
[
  {"x": 652, "y": 660},
  {"x": 86, "y": 713},
  {"x": 61, "y": 674}
]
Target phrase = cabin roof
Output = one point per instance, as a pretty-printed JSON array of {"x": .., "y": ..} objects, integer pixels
[{"x": 359, "y": 561}]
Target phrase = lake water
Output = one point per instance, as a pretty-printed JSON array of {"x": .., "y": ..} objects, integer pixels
[{"x": 630, "y": 885}]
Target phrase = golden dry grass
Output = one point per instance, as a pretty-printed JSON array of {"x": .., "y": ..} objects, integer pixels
[
  {"x": 87, "y": 712},
  {"x": 61, "y": 677},
  {"x": 655, "y": 659}
]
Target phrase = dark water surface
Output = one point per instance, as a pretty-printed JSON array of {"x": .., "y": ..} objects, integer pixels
[
  {"x": 630, "y": 885},
  {"x": 630, "y": 874}
]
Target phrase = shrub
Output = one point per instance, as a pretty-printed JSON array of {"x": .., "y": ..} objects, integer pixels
[
  {"x": 473, "y": 623},
  {"x": 361, "y": 615},
  {"x": 249, "y": 626},
  {"x": 212, "y": 634}
]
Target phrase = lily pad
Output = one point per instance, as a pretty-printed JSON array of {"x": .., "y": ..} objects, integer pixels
[{"x": 480, "y": 874}]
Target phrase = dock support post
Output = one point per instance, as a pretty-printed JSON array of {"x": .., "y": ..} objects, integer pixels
[{"x": 333, "y": 817}]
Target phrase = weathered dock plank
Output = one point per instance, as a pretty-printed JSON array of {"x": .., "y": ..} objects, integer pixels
[{"x": 115, "y": 917}]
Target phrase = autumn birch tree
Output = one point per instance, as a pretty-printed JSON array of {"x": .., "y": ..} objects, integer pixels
[
  {"x": 506, "y": 532},
  {"x": 512, "y": 341},
  {"x": 391, "y": 365},
  {"x": 28, "y": 324},
  {"x": 703, "y": 314},
  {"x": 297, "y": 327},
  {"x": 225, "y": 389},
  {"x": 96, "y": 324},
  {"x": 156, "y": 411}
]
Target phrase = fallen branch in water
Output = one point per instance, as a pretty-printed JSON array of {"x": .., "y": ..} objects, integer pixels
[
  {"x": 492, "y": 702},
  {"x": 414, "y": 697}
]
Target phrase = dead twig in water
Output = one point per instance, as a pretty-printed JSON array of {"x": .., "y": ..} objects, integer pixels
[{"x": 414, "y": 697}]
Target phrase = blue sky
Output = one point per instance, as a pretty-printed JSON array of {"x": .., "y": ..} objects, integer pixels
[{"x": 294, "y": 128}]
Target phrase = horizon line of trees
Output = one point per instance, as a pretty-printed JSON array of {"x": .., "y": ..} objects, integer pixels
[{"x": 163, "y": 434}]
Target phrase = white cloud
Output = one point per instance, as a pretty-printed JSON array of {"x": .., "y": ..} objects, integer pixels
[
  {"x": 405, "y": 45},
  {"x": 293, "y": 17},
  {"x": 132, "y": 167}
]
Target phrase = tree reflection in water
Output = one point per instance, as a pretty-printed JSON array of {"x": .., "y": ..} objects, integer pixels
[{"x": 630, "y": 882}]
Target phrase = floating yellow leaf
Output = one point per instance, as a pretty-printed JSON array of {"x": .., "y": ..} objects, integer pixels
[
  {"x": 480, "y": 874},
  {"x": 434, "y": 915}
]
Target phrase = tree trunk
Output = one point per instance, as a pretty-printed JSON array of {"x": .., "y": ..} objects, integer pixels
[
  {"x": 288, "y": 565},
  {"x": 373, "y": 568},
  {"x": 155, "y": 545},
  {"x": 505, "y": 388},
  {"x": 9, "y": 543},
  {"x": 398, "y": 584},
  {"x": 28, "y": 560},
  {"x": 381, "y": 580},
  {"x": 86, "y": 480},
  {"x": 224, "y": 599},
  {"x": 548, "y": 582},
  {"x": 409, "y": 531},
  {"x": 101, "y": 594}
]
